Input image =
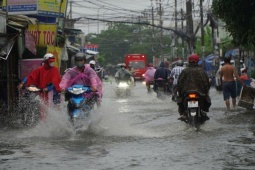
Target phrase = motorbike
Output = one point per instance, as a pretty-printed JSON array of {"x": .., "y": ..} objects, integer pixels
[
  {"x": 193, "y": 102},
  {"x": 30, "y": 106},
  {"x": 79, "y": 107},
  {"x": 151, "y": 86},
  {"x": 123, "y": 88},
  {"x": 161, "y": 88}
]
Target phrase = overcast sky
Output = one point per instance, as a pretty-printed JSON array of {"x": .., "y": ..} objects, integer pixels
[{"x": 121, "y": 10}]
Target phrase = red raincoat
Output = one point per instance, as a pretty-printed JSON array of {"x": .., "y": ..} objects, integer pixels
[{"x": 42, "y": 76}]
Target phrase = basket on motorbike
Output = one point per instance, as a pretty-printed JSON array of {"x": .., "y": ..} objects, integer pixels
[{"x": 247, "y": 97}]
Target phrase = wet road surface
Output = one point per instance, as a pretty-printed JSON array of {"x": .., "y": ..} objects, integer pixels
[{"x": 137, "y": 132}]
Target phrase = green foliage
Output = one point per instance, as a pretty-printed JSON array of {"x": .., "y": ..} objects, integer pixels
[
  {"x": 208, "y": 43},
  {"x": 239, "y": 16},
  {"x": 120, "y": 39}
]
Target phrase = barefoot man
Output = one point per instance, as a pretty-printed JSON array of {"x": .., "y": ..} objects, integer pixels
[{"x": 228, "y": 74}]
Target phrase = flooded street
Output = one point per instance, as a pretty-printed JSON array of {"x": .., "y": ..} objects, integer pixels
[{"x": 137, "y": 132}]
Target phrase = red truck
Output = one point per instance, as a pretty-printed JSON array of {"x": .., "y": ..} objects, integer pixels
[{"x": 138, "y": 62}]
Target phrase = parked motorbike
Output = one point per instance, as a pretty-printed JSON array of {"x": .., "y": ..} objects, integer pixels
[
  {"x": 30, "y": 106},
  {"x": 79, "y": 107},
  {"x": 193, "y": 101}
]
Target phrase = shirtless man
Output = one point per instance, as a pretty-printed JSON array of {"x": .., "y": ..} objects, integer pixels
[{"x": 229, "y": 73}]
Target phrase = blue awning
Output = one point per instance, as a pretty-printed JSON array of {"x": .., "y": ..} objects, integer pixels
[{"x": 234, "y": 53}]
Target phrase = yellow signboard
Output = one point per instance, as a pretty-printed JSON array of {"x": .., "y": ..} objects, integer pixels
[
  {"x": 44, "y": 34},
  {"x": 56, "y": 51},
  {"x": 49, "y": 8}
]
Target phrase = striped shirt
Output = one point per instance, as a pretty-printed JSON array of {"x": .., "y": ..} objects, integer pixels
[{"x": 175, "y": 73}]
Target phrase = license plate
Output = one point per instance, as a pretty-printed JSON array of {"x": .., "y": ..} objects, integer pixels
[{"x": 192, "y": 104}]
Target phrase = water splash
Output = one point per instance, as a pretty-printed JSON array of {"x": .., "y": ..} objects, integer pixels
[{"x": 56, "y": 125}]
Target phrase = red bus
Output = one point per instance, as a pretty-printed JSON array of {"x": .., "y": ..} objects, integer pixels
[{"x": 138, "y": 62}]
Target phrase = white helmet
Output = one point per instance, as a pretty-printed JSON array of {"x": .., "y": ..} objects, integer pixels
[
  {"x": 48, "y": 56},
  {"x": 92, "y": 62}
]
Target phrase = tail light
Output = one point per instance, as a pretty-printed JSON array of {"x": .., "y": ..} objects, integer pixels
[{"x": 192, "y": 96}]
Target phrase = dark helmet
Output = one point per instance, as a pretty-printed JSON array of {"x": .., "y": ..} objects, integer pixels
[
  {"x": 193, "y": 58},
  {"x": 79, "y": 56},
  {"x": 179, "y": 63},
  {"x": 150, "y": 65}
]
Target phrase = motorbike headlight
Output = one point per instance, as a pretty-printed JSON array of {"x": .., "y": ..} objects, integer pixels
[{"x": 123, "y": 85}]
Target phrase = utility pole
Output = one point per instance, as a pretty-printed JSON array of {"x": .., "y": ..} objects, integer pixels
[
  {"x": 71, "y": 3},
  {"x": 152, "y": 21},
  {"x": 161, "y": 31},
  {"x": 202, "y": 29},
  {"x": 152, "y": 18},
  {"x": 182, "y": 17},
  {"x": 190, "y": 30},
  {"x": 175, "y": 37}
]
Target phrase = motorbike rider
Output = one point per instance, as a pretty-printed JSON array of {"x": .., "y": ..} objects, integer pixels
[
  {"x": 47, "y": 78},
  {"x": 132, "y": 71},
  {"x": 83, "y": 74},
  {"x": 161, "y": 73},
  {"x": 176, "y": 71},
  {"x": 123, "y": 75},
  {"x": 98, "y": 70},
  {"x": 193, "y": 78},
  {"x": 149, "y": 75}
]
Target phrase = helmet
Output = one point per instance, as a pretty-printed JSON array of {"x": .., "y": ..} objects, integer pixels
[
  {"x": 92, "y": 62},
  {"x": 166, "y": 64},
  {"x": 150, "y": 65},
  {"x": 49, "y": 56},
  {"x": 79, "y": 56},
  {"x": 193, "y": 58},
  {"x": 179, "y": 63},
  {"x": 123, "y": 65}
]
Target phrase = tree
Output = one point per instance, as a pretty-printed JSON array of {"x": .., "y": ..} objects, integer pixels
[
  {"x": 120, "y": 39},
  {"x": 208, "y": 43},
  {"x": 239, "y": 16}
]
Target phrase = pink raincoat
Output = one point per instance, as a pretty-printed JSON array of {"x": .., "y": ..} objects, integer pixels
[
  {"x": 149, "y": 74},
  {"x": 88, "y": 77}
]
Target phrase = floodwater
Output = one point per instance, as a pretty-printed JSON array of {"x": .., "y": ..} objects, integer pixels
[{"x": 137, "y": 132}]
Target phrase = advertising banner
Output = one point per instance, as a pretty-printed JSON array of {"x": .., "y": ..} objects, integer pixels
[
  {"x": 92, "y": 47},
  {"x": 49, "y": 8},
  {"x": 28, "y": 65},
  {"x": 56, "y": 51},
  {"x": 44, "y": 34},
  {"x": 18, "y": 7}
]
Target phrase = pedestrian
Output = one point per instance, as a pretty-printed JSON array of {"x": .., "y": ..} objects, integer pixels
[{"x": 228, "y": 74}]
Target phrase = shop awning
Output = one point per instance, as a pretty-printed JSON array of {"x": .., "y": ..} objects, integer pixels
[{"x": 6, "y": 44}]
